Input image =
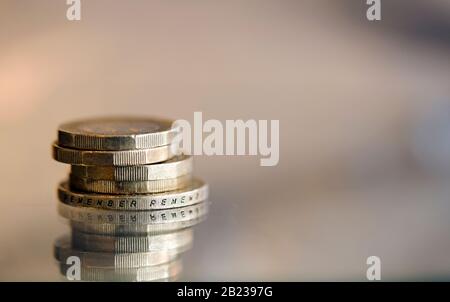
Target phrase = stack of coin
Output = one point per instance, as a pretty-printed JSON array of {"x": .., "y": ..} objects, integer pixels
[{"x": 130, "y": 201}]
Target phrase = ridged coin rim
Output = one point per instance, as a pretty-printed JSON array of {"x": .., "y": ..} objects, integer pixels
[
  {"x": 63, "y": 249},
  {"x": 134, "y": 230},
  {"x": 196, "y": 191},
  {"x": 129, "y": 187},
  {"x": 147, "y": 273},
  {"x": 71, "y": 137},
  {"x": 112, "y": 158},
  {"x": 175, "y": 167},
  {"x": 132, "y": 244},
  {"x": 114, "y": 217}
]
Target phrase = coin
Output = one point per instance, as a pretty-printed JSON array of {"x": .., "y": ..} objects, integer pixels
[
  {"x": 63, "y": 249},
  {"x": 130, "y": 187},
  {"x": 172, "y": 168},
  {"x": 99, "y": 216},
  {"x": 112, "y": 158},
  {"x": 132, "y": 244},
  {"x": 164, "y": 271},
  {"x": 116, "y": 133},
  {"x": 133, "y": 229},
  {"x": 196, "y": 191}
]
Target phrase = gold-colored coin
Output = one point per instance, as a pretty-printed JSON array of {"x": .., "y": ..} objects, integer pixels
[
  {"x": 172, "y": 168},
  {"x": 130, "y": 187}
]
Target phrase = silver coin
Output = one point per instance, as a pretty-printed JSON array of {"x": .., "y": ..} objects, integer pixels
[
  {"x": 160, "y": 272},
  {"x": 63, "y": 250},
  {"x": 100, "y": 216},
  {"x": 133, "y": 244},
  {"x": 133, "y": 230},
  {"x": 116, "y": 133},
  {"x": 193, "y": 193}
]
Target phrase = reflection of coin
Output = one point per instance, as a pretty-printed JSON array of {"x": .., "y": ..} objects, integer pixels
[
  {"x": 98, "y": 216},
  {"x": 129, "y": 187},
  {"x": 63, "y": 250},
  {"x": 164, "y": 271},
  {"x": 175, "y": 167},
  {"x": 132, "y": 244},
  {"x": 133, "y": 230},
  {"x": 112, "y": 158},
  {"x": 116, "y": 133},
  {"x": 193, "y": 193}
]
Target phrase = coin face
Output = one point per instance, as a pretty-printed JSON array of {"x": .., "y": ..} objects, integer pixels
[
  {"x": 116, "y": 126},
  {"x": 116, "y": 133}
]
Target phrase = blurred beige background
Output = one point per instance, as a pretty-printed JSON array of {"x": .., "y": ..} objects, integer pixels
[{"x": 363, "y": 127}]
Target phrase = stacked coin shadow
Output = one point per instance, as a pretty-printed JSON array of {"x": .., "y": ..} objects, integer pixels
[{"x": 130, "y": 201}]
